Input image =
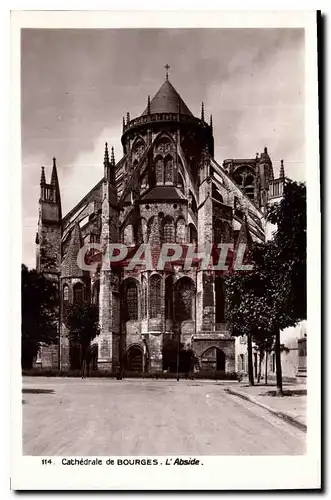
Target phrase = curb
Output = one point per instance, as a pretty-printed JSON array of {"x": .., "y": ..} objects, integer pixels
[{"x": 284, "y": 416}]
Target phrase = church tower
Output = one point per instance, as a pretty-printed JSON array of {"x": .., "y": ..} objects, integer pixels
[{"x": 48, "y": 238}]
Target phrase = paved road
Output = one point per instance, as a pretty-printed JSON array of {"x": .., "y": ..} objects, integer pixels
[{"x": 133, "y": 417}]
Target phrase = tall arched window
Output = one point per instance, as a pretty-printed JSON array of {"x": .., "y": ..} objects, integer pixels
[
  {"x": 181, "y": 231},
  {"x": 65, "y": 293},
  {"x": 149, "y": 227},
  {"x": 168, "y": 170},
  {"x": 143, "y": 297},
  {"x": 184, "y": 299},
  {"x": 219, "y": 299},
  {"x": 159, "y": 170},
  {"x": 132, "y": 301},
  {"x": 128, "y": 235},
  {"x": 168, "y": 230},
  {"x": 154, "y": 296},
  {"x": 78, "y": 293}
]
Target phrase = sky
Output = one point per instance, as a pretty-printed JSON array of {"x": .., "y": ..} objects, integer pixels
[{"x": 76, "y": 86}]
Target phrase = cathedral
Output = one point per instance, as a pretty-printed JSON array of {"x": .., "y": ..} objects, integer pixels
[{"x": 167, "y": 188}]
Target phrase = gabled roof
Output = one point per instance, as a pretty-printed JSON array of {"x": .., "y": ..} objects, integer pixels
[{"x": 167, "y": 100}]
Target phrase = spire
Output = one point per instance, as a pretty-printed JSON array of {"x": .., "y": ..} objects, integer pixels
[
  {"x": 54, "y": 179},
  {"x": 43, "y": 177},
  {"x": 149, "y": 105},
  {"x": 202, "y": 112},
  {"x": 211, "y": 123},
  {"x": 127, "y": 117},
  {"x": 112, "y": 158},
  {"x": 282, "y": 171},
  {"x": 106, "y": 155},
  {"x": 123, "y": 124}
]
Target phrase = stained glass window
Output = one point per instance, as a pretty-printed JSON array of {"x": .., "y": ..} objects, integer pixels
[
  {"x": 184, "y": 299},
  {"x": 132, "y": 301},
  {"x": 181, "y": 231},
  {"x": 168, "y": 230},
  {"x": 168, "y": 170},
  {"x": 149, "y": 227},
  {"x": 155, "y": 295},
  {"x": 159, "y": 170},
  {"x": 65, "y": 293}
]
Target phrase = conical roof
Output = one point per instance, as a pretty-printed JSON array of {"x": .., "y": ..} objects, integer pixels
[{"x": 167, "y": 100}]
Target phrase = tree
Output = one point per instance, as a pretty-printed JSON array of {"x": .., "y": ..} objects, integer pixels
[
  {"x": 272, "y": 296},
  {"x": 39, "y": 314},
  {"x": 82, "y": 320}
]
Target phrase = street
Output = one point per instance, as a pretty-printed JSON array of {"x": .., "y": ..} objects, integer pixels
[{"x": 71, "y": 416}]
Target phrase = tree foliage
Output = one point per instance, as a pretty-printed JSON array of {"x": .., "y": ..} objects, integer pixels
[
  {"x": 82, "y": 320},
  {"x": 272, "y": 296},
  {"x": 39, "y": 314}
]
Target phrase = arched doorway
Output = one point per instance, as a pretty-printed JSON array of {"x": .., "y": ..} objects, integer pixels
[
  {"x": 134, "y": 359},
  {"x": 213, "y": 359}
]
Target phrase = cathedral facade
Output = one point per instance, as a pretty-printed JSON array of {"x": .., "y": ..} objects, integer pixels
[{"x": 167, "y": 188}]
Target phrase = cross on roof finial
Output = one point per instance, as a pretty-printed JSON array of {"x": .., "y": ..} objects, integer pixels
[{"x": 167, "y": 67}]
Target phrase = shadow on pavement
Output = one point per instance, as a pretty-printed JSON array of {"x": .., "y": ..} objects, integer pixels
[{"x": 37, "y": 391}]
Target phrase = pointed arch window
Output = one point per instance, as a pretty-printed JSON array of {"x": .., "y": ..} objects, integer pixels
[
  {"x": 168, "y": 230},
  {"x": 149, "y": 227},
  {"x": 168, "y": 170},
  {"x": 159, "y": 170},
  {"x": 144, "y": 297},
  {"x": 132, "y": 301},
  {"x": 65, "y": 293},
  {"x": 128, "y": 235},
  {"x": 181, "y": 231},
  {"x": 155, "y": 296},
  {"x": 184, "y": 298}
]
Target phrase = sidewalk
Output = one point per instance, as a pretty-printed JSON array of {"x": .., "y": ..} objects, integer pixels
[{"x": 292, "y": 407}]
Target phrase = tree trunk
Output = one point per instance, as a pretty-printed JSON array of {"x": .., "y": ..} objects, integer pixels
[
  {"x": 260, "y": 367},
  {"x": 278, "y": 364},
  {"x": 266, "y": 368},
  {"x": 250, "y": 360}
]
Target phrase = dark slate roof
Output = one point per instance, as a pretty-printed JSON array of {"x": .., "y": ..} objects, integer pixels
[
  {"x": 167, "y": 100},
  {"x": 164, "y": 193}
]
